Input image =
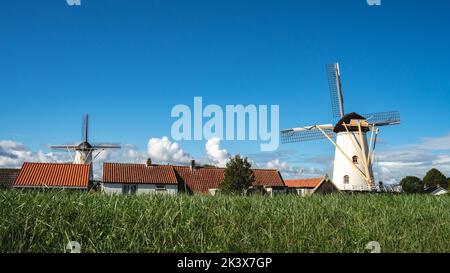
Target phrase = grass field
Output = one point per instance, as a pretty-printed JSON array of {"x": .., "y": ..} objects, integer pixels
[{"x": 47, "y": 221}]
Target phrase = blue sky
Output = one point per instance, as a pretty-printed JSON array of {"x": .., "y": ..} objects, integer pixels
[{"x": 127, "y": 63}]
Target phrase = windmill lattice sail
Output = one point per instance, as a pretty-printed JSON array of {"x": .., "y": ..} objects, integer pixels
[
  {"x": 292, "y": 136},
  {"x": 334, "y": 83},
  {"x": 85, "y": 128},
  {"x": 383, "y": 118}
]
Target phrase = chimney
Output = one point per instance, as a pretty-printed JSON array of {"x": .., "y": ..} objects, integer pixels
[
  {"x": 149, "y": 162},
  {"x": 192, "y": 165}
]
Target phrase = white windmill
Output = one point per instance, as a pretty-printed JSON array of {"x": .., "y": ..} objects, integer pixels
[
  {"x": 85, "y": 152},
  {"x": 352, "y": 170}
]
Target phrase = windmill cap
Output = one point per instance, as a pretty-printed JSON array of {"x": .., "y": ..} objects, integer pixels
[
  {"x": 346, "y": 119},
  {"x": 84, "y": 146}
]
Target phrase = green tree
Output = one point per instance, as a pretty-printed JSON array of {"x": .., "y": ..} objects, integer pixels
[
  {"x": 412, "y": 184},
  {"x": 238, "y": 176},
  {"x": 434, "y": 178}
]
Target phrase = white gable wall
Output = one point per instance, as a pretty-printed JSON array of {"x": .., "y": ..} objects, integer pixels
[
  {"x": 439, "y": 191},
  {"x": 116, "y": 188}
]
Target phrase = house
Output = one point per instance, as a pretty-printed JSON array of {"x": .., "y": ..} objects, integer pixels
[
  {"x": 206, "y": 180},
  {"x": 121, "y": 178},
  {"x": 309, "y": 186},
  {"x": 8, "y": 177},
  {"x": 53, "y": 176},
  {"x": 269, "y": 181},
  {"x": 436, "y": 191}
]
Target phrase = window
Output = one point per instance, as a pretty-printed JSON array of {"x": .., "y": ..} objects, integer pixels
[
  {"x": 346, "y": 179},
  {"x": 129, "y": 189},
  {"x": 160, "y": 188},
  {"x": 355, "y": 159}
]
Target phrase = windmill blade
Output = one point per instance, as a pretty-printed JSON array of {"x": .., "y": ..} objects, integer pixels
[
  {"x": 65, "y": 147},
  {"x": 334, "y": 83},
  {"x": 306, "y": 133},
  {"x": 383, "y": 118},
  {"x": 101, "y": 146},
  {"x": 85, "y": 128}
]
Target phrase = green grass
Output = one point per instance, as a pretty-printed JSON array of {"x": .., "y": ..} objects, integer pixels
[{"x": 46, "y": 221}]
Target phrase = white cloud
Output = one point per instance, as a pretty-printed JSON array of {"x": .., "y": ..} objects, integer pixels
[
  {"x": 391, "y": 170},
  {"x": 289, "y": 171},
  {"x": 14, "y": 154},
  {"x": 279, "y": 165},
  {"x": 163, "y": 150},
  {"x": 392, "y": 165},
  {"x": 214, "y": 154},
  {"x": 435, "y": 143}
]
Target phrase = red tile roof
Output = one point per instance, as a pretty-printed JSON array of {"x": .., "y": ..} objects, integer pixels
[
  {"x": 7, "y": 177},
  {"x": 138, "y": 174},
  {"x": 268, "y": 177},
  {"x": 303, "y": 183},
  {"x": 203, "y": 178},
  {"x": 53, "y": 175},
  {"x": 198, "y": 181}
]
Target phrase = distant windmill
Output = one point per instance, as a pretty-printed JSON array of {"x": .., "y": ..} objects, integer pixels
[
  {"x": 86, "y": 152},
  {"x": 352, "y": 170}
]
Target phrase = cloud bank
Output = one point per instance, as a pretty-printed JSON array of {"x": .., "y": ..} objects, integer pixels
[
  {"x": 216, "y": 155},
  {"x": 289, "y": 171},
  {"x": 163, "y": 150},
  {"x": 390, "y": 166},
  {"x": 413, "y": 159},
  {"x": 13, "y": 154}
]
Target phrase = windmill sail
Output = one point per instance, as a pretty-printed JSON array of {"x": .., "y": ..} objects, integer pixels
[
  {"x": 334, "y": 83},
  {"x": 65, "y": 147},
  {"x": 85, "y": 146},
  {"x": 383, "y": 118},
  {"x": 306, "y": 134},
  {"x": 85, "y": 128},
  {"x": 105, "y": 146}
]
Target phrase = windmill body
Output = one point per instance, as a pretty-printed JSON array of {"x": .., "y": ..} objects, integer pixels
[
  {"x": 345, "y": 177},
  {"x": 85, "y": 152},
  {"x": 352, "y": 169},
  {"x": 354, "y": 137}
]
